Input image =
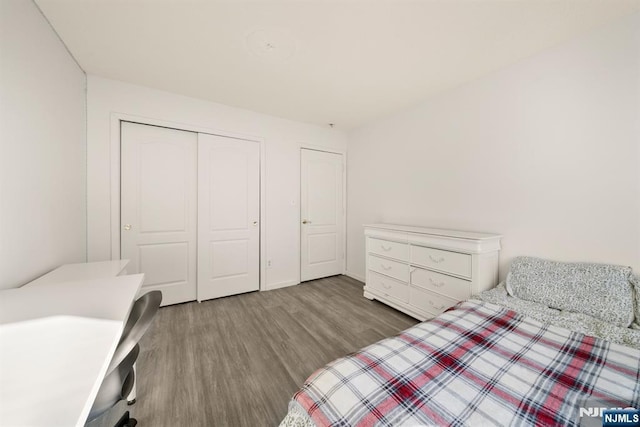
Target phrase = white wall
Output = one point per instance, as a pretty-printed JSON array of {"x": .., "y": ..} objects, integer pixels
[
  {"x": 545, "y": 152},
  {"x": 43, "y": 151},
  {"x": 282, "y": 139}
]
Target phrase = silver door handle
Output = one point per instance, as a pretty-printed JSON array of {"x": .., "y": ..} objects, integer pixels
[
  {"x": 304, "y": 221},
  {"x": 127, "y": 227}
]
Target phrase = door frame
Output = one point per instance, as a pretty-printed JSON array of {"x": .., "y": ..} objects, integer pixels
[
  {"x": 344, "y": 202},
  {"x": 115, "y": 142}
]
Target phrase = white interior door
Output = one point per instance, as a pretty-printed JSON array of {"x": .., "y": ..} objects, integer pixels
[
  {"x": 322, "y": 214},
  {"x": 228, "y": 216},
  {"x": 158, "y": 208}
]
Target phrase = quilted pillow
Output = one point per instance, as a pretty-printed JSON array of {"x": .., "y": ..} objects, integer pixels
[
  {"x": 636, "y": 285},
  {"x": 602, "y": 291}
]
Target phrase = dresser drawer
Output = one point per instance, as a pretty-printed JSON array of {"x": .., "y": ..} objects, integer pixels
[
  {"x": 450, "y": 262},
  {"x": 388, "y": 286},
  {"x": 389, "y": 249},
  {"x": 429, "y": 301},
  {"x": 387, "y": 267},
  {"x": 458, "y": 289}
]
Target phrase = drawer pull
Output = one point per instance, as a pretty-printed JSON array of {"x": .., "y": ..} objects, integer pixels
[
  {"x": 386, "y": 267},
  {"x": 440, "y": 307},
  {"x": 384, "y": 285},
  {"x": 436, "y": 260},
  {"x": 436, "y": 284},
  {"x": 385, "y": 248}
]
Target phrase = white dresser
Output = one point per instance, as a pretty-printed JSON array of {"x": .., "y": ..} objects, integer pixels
[{"x": 423, "y": 271}]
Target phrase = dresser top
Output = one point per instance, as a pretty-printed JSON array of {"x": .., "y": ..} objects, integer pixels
[{"x": 457, "y": 234}]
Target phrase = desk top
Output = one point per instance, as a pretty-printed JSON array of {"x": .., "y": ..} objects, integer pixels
[
  {"x": 81, "y": 271},
  {"x": 56, "y": 343},
  {"x": 108, "y": 298},
  {"x": 51, "y": 369}
]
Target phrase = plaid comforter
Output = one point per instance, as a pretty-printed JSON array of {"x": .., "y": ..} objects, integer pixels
[{"x": 478, "y": 364}]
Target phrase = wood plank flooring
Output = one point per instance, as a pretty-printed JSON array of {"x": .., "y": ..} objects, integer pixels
[{"x": 237, "y": 361}]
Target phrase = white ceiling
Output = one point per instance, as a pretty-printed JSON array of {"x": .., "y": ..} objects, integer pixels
[{"x": 344, "y": 62}]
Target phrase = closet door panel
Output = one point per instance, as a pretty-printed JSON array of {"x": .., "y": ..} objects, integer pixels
[
  {"x": 228, "y": 216},
  {"x": 159, "y": 208}
]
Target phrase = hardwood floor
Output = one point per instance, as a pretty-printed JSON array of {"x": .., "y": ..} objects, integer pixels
[{"x": 237, "y": 361}]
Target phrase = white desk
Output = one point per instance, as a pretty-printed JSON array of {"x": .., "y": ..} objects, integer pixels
[
  {"x": 82, "y": 271},
  {"x": 56, "y": 342},
  {"x": 100, "y": 299}
]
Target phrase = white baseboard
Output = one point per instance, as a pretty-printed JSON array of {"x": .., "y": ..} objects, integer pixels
[
  {"x": 278, "y": 285},
  {"x": 355, "y": 276}
]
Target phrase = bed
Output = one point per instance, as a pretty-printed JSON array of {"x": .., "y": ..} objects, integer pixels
[{"x": 496, "y": 359}]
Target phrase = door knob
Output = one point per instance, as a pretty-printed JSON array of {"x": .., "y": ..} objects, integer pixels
[
  {"x": 304, "y": 221},
  {"x": 255, "y": 223},
  {"x": 127, "y": 227}
]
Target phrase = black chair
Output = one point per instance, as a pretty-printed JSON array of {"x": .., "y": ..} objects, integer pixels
[
  {"x": 120, "y": 379},
  {"x": 115, "y": 387},
  {"x": 140, "y": 318}
]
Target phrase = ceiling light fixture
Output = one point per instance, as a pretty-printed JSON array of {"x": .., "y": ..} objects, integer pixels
[{"x": 274, "y": 43}]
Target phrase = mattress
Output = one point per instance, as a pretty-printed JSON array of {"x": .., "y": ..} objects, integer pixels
[{"x": 480, "y": 363}]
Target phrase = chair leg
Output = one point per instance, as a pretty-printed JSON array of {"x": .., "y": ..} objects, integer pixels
[
  {"x": 126, "y": 421},
  {"x": 131, "y": 398}
]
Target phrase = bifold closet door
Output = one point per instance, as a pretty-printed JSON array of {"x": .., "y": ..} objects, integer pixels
[
  {"x": 228, "y": 216},
  {"x": 159, "y": 208}
]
